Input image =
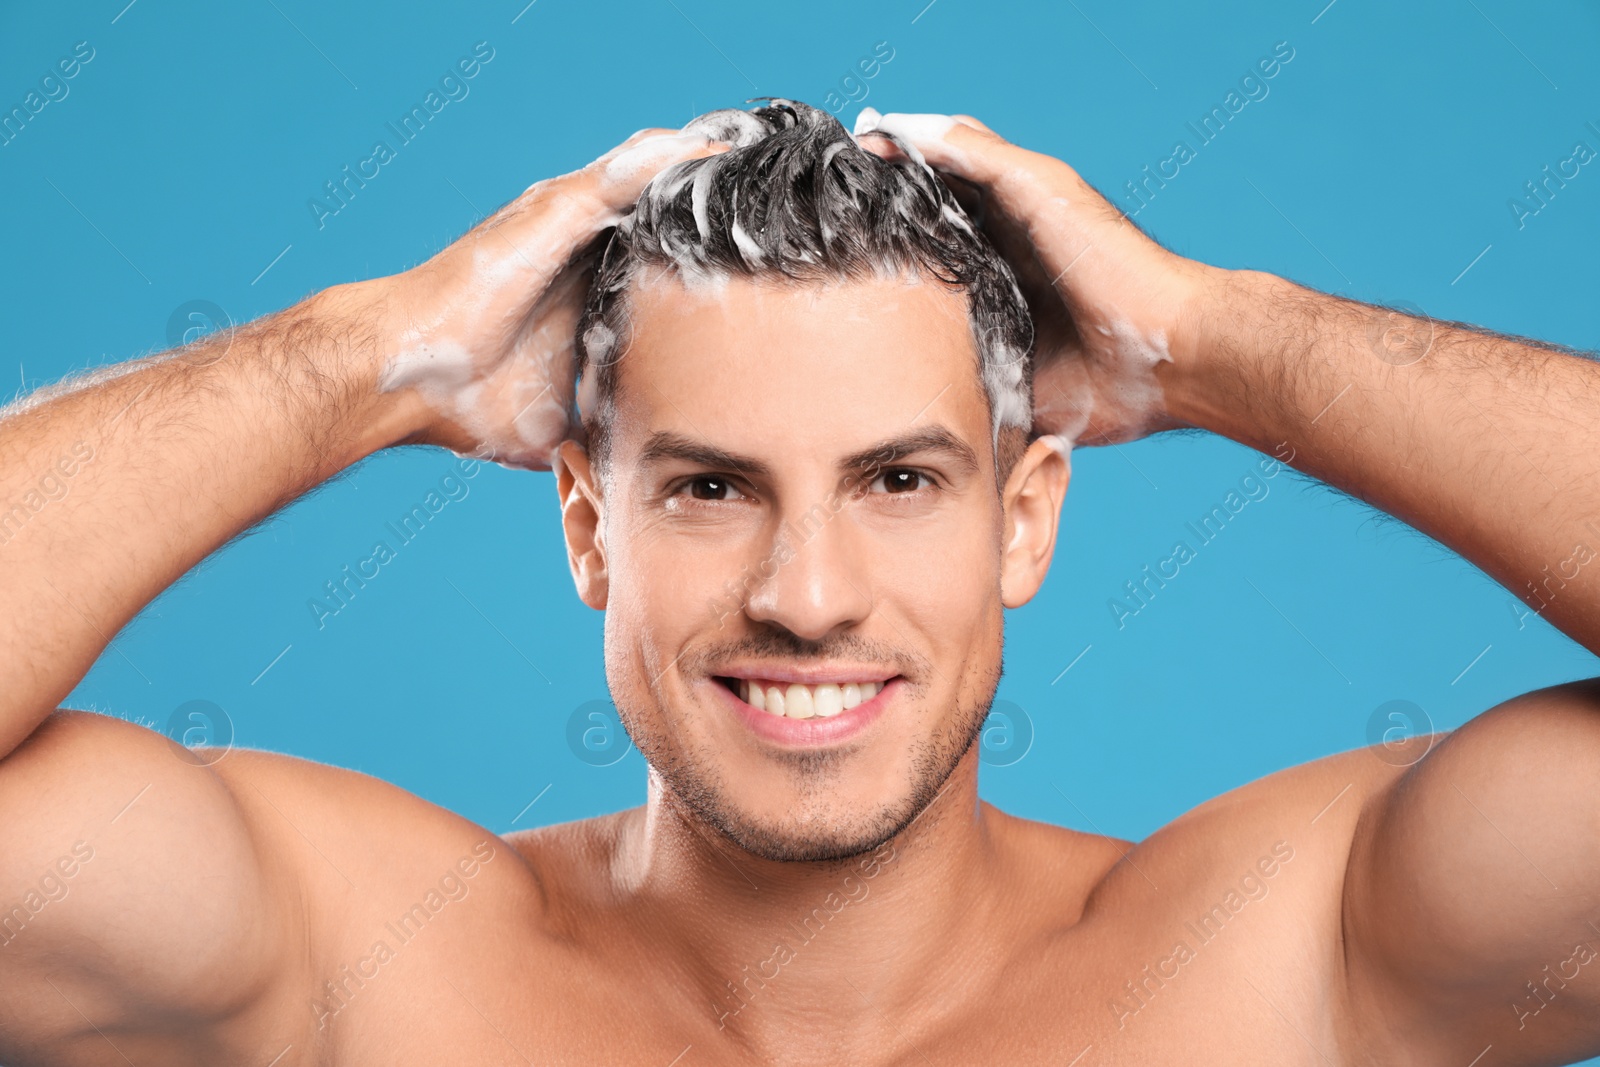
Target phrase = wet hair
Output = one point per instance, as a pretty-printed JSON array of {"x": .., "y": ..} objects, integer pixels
[{"x": 797, "y": 198}]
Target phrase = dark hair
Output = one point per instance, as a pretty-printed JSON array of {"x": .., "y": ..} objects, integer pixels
[{"x": 797, "y": 197}]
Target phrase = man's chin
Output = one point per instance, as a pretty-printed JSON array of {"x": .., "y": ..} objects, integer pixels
[
  {"x": 811, "y": 832},
  {"x": 807, "y": 844}
]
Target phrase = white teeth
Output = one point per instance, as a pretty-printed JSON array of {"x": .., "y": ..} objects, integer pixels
[{"x": 797, "y": 703}]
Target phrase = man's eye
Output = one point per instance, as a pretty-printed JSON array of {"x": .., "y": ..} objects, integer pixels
[
  {"x": 902, "y": 481},
  {"x": 710, "y": 487}
]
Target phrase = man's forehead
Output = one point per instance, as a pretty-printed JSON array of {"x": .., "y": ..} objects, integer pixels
[{"x": 758, "y": 366}]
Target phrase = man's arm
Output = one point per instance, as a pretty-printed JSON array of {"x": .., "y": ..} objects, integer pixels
[
  {"x": 169, "y": 458},
  {"x": 137, "y": 896},
  {"x": 1472, "y": 903},
  {"x": 1489, "y": 444}
]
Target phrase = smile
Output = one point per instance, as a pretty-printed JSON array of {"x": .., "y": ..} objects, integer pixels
[
  {"x": 796, "y": 701},
  {"x": 793, "y": 713}
]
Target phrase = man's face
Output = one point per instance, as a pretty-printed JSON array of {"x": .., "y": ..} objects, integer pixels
[{"x": 802, "y": 498}]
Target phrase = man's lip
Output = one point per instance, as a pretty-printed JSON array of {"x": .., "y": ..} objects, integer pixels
[{"x": 822, "y": 674}]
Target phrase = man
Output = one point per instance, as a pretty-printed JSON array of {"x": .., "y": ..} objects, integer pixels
[{"x": 807, "y": 495}]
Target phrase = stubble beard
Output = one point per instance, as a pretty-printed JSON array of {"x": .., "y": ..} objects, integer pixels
[{"x": 699, "y": 793}]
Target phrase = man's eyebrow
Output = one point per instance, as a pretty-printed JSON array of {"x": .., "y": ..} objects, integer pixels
[
  {"x": 665, "y": 444},
  {"x": 935, "y": 439}
]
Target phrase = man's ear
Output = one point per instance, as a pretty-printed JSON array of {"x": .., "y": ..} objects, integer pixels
[
  {"x": 582, "y": 522},
  {"x": 1032, "y": 501}
]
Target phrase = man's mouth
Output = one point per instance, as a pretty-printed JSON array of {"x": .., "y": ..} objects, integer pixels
[
  {"x": 810, "y": 706},
  {"x": 794, "y": 700}
]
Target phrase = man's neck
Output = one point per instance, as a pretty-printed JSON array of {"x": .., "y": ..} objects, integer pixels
[{"x": 765, "y": 941}]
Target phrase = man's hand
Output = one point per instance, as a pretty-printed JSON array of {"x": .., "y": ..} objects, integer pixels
[
  {"x": 1463, "y": 434},
  {"x": 1109, "y": 305},
  {"x": 483, "y": 332}
]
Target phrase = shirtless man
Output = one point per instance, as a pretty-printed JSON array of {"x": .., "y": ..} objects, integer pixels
[{"x": 802, "y": 481}]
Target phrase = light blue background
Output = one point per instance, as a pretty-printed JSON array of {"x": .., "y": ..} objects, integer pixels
[{"x": 1379, "y": 165}]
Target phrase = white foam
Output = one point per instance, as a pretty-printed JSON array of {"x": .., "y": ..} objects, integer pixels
[
  {"x": 956, "y": 219},
  {"x": 698, "y": 197},
  {"x": 732, "y": 126},
  {"x": 446, "y": 365},
  {"x": 1062, "y": 445},
  {"x": 1004, "y": 380},
  {"x": 747, "y": 248},
  {"x": 923, "y": 128},
  {"x": 1141, "y": 353},
  {"x": 912, "y": 132},
  {"x": 665, "y": 185},
  {"x": 651, "y": 153},
  {"x": 867, "y": 121},
  {"x": 599, "y": 338},
  {"x": 1129, "y": 387},
  {"x": 696, "y": 279},
  {"x": 828, "y": 154},
  {"x": 707, "y": 284}
]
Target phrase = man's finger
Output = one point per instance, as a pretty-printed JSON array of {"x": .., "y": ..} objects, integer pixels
[
  {"x": 621, "y": 174},
  {"x": 958, "y": 144},
  {"x": 976, "y": 124},
  {"x": 554, "y": 218}
]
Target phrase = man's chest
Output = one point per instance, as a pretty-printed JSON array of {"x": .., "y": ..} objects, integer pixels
[{"x": 1166, "y": 989}]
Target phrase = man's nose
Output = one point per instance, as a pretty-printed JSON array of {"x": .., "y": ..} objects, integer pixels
[{"x": 818, "y": 581}]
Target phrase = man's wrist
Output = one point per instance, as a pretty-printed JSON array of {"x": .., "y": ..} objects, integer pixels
[
  {"x": 1215, "y": 379},
  {"x": 337, "y": 345}
]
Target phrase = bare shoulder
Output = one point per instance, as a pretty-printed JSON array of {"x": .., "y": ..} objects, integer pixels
[
  {"x": 1292, "y": 827},
  {"x": 1323, "y": 797},
  {"x": 360, "y": 842},
  {"x": 358, "y": 823},
  {"x": 394, "y": 889}
]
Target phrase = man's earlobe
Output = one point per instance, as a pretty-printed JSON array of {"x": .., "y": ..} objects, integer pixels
[
  {"x": 1032, "y": 500},
  {"x": 582, "y": 522}
]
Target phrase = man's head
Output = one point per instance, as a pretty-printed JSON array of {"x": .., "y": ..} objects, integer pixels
[
  {"x": 797, "y": 200},
  {"x": 808, "y": 377}
]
